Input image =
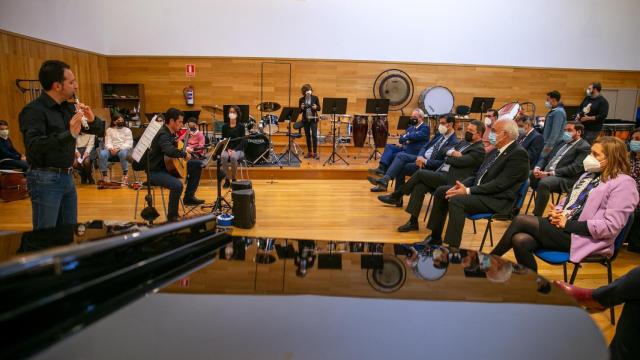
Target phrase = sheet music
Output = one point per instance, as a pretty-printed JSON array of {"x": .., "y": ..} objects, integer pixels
[{"x": 147, "y": 137}]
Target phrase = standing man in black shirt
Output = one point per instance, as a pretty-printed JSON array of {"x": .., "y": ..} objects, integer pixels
[
  {"x": 593, "y": 111},
  {"x": 164, "y": 144},
  {"x": 50, "y": 125}
]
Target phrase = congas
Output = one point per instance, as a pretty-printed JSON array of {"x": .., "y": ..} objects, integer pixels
[
  {"x": 360, "y": 125},
  {"x": 380, "y": 130},
  {"x": 255, "y": 147},
  {"x": 509, "y": 111},
  {"x": 270, "y": 124},
  {"x": 437, "y": 100},
  {"x": 619, "y": 130}
]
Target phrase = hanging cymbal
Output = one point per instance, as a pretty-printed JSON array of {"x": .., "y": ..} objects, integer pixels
[
  {"x": 211, "y": 108},
  {"x": 269, "y": 106}
]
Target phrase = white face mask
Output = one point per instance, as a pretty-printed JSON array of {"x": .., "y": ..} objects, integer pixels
[
  {"x": 487, "y": 121},
  {"x": 308, "y": 92},
  {"x": 588, "y": 92},
  {"x": 4, "y": 134},
  {"x": 233, "y": 116},
  {"x": 591, "y": 164},
  {"x": 547, "y": 104},
  {"x": 442, "y": 129}
]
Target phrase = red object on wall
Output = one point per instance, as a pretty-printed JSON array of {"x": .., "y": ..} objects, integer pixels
[{"x": 191, "y": 70}]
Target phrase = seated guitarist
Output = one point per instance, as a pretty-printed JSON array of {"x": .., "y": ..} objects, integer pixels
[{"x": 164, "y": 144}]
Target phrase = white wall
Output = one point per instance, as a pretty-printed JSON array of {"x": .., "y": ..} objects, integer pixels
[{"x": 593, "y": 34}]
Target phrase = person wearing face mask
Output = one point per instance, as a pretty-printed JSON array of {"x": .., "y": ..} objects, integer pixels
[
  {"x": 10, "y": 158},
  {"x": 593, "y": 111},
  {"x": 430, "y": 157},
  {"x": 634, "y": 146},
  {"x": 50, "y": 125},
  {"x": 310, "y": 106},
  {"x": 554, "y": 122},
  {"x": 491, "y": 189},
  {"x": 529, "y": 139},
  {"x": 195, "y": 139},
  {"x": 558, "y": 171},
  {"x": 462, "y": 161},
  {"x": 411, "y": 142},
  {"x": 489, "y": 118},
  {"x": 234, "y": 152},
  {"x": 118, "y": 142},
  {"x": 588, "y": 220}
]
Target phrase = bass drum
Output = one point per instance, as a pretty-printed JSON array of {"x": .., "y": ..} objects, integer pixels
[
  {"x": 437, "y": 100},
  {"x": 380, "y": 130},
  {"x": 256, "y": 146},
  {"x": 509, "y": 111},
  {"x": 360, "y": 125}
]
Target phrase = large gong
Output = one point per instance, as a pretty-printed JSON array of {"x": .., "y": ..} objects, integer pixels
[{"x": 395, "y": 85}]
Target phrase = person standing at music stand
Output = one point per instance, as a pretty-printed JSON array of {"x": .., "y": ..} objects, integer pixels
[
  {"x": 50, "y": 125},
  {"x": 310, "y": 106},
  {"x": 163, "y": 144},
  {"x": 233, "y": 153}
]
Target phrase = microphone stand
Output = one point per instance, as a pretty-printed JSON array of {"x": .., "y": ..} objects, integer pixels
[{"x": 149, "y": 213}]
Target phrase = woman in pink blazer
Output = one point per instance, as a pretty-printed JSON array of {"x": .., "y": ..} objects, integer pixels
[{"x": 588, "y": 220}]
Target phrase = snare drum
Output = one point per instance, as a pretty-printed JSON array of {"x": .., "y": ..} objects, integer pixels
[
  {"x": 270, "y": 124},
  {"x": 509, "y": 111},
  {"x": 436, "y": 100},
  {"x": 380, "y": 130},
  {"x": 256, "y": 146},
  {"x": 360, "y": 125}
]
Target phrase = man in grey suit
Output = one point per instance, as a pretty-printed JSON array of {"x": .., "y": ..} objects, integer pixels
[
  {"x": 558, "y": 171},
  {"x": 461, "y": 161}
]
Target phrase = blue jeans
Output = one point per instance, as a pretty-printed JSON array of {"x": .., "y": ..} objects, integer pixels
[
  {"x": 104, "y": 155},
  {"x": 54, "y": 200},
  {"x": 162, "y": 178},
  {"x": 388, "y": 155}
]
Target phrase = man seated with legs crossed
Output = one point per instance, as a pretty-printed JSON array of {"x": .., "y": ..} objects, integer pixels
[
  {"x": 492, "y": 189},
  {"x": 430, "y": 157},
  {"x": 411, "y": 142},
  {"x": 164, "y": 144},
  {"x": 558, "y": 171},
  {"x": 461, "y": 162}
]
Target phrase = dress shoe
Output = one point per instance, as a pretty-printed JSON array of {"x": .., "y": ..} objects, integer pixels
[
  {"x": 391, "y": 200},
  {"x": 431, "y": 241},
  {"x": 409, "y": 226},
  {"x": 382, "y": 182},
  {"x": 378, "y": 188},
  {"x": 308, "y": 155},
  {"x": 192, "y": 201},
  {"x": 372, "y": 180},
  {"x": 583, "y": 296},
  {"x": 316, "y": 156}
]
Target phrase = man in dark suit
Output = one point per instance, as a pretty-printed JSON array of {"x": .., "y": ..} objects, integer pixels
[
  {"x": 461, "y": 162},
  {"x": 558, "y": 171},
  {"x": 430, "y": 157},
  {"x": 493, "y": 188},
  {"x": 416, "y": 136},
  {"x": 529, "y": 139}
]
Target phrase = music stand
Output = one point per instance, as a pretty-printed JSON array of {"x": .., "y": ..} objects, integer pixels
[
  {"x": 291, "y": 114},
  {"x": 333, "y": 107},
  {"x": 403, "y": 122},
  {"x": 480, "y": 105},
  {"x": 377, "y": 106},
  {"x": 220, "y": 204}
]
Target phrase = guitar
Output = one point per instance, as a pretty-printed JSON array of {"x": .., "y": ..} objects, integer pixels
[{"x": 178, "y": 166}]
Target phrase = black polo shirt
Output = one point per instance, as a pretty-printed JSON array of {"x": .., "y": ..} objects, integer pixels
[{"x": 45, "y": 128}]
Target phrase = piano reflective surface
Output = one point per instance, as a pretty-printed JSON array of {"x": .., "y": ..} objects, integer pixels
[{"x": 105, "y": 290}]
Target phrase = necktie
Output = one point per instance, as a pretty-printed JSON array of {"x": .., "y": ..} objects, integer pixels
[{"x": 487, "y": 164}]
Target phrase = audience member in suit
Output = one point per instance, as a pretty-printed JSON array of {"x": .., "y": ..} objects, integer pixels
[
  {"x": 493, "y": 188},
  {"x": 554, "y": 122},
  {"x": 416, "y": 136},
  {"x": 461, "y": 162},
  {"x": 430, "y": 157},
  {"x": 529, "y": 139},
  {"x": 10, "y": 158},
  {"x": 558, "y": 171},
  {"x": 489, "y": 119},
  {"x": 634, "y": 146},
  {"x": 625, "y": 290},
  {"x": 590, "y": 218}
]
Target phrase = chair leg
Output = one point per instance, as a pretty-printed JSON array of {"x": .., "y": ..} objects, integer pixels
[
  {"x": 490, "y": 221},
  {"x": 428, "y": 207},
  {"x": 564, "y": 271},
  {"x": 484, "y": 237},
  {"x": 531, "y": 198},
  {"x": 612, "y": 310},
  {"x": 135, "y": 209},
  {"x": 474, "y": 227},
  {"x": 576, "y": 267}
]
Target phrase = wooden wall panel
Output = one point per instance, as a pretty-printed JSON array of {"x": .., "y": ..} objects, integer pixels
[
  {"x": 21, "y": 57},
  {"x": 228, "y": 80}
]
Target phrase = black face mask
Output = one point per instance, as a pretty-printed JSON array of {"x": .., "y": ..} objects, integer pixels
[
  {"x": 119, "y": 124},
  {"x": 193, "y": 129},
  {"x": 413, "y": 121},
  {"x": 468, "y": 137}
]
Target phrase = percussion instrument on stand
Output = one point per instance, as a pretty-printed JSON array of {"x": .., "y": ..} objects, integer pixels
[
  {"x": 269, "y": 155},
  {"x": 617, "y": 128},
  {"x": 509, "y": 111},
  {"x": 436, "y": 101},
  {"x": 360, "y": 126},
  {"x": 380, "y": 134},
  {"x": 342, "y": 139},
  {"x": 13, "y": 185}
]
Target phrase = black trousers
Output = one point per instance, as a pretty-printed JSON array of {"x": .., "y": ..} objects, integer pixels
[
  {"x": 625, "y": 290},
  {"x": 421, "y": 183},
  {"x": 590, "y": 135},
  {"x": 311, "y": 134},
  {"x": 456, "y": 208},
  {"x": 544, "y": 187}
]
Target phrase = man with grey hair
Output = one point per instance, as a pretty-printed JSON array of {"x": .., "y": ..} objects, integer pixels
[{"x": 492, "y": 189}]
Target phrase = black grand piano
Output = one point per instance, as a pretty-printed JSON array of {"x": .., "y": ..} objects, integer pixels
[{"x": 110, "y": 290}]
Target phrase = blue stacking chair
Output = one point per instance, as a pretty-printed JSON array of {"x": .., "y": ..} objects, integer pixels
[
  {"x": 562, "y": 258},
  {"x": 522, "y": 193}
]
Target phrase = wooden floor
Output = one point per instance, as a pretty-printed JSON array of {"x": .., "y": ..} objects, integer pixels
[{"x": 319, "y": 209}]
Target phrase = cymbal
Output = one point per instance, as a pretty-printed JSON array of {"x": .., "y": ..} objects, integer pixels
[
  {"x": 211, "y": 109},
  {"x": 269, "y": 106}
]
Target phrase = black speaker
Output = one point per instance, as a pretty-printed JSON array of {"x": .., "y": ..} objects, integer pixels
[
  {"x": 244, "y": 208},
  {"x": 241, "y": 185}
]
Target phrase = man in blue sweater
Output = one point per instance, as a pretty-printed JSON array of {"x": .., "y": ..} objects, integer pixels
[
  {"x": 554, "y": 122},
  {"x": 10, "y": 158}
]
